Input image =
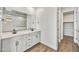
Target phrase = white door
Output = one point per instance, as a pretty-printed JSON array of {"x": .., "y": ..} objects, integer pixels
[{"x": 69, "y": 29}]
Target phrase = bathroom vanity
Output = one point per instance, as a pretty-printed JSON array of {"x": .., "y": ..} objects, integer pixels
[
  {"x": 21, "y": 41},
  {"x": 23, "y": 23},
  {"x": 23, "y": 27}
]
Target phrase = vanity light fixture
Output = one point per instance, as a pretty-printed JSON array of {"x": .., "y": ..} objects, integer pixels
[{"x": 8, "y": 18}]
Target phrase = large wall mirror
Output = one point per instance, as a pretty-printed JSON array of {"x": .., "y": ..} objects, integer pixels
[{"x": 13, "y": 19}]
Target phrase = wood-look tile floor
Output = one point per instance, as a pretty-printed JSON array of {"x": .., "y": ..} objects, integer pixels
[
  {"x": 67, "y": 45},
  {"x": 40, "y": 48}
]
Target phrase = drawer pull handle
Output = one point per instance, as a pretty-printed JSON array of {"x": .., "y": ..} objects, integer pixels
[
  {"x": 36, "y": 36},
  {"x": 17, "y": 43},
  {"x": 29, "y": 39}
]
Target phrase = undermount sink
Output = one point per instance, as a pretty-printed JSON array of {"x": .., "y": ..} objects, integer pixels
[{"x": 32, "y": 29}]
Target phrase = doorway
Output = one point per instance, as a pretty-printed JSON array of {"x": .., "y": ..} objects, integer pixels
[
  {"x": 66, "y": 29},
  {"x": 68, "y": 24}
]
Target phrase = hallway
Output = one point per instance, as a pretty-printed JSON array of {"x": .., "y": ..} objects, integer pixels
[{"x": 67, "y": 45}]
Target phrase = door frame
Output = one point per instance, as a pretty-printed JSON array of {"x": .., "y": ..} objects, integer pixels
[{"x": 60, "y": 16}]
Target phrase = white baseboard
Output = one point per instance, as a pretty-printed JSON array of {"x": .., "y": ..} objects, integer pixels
[{"x": 48, "y": 45}]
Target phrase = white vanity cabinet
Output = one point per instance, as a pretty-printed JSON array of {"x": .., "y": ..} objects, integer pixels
[
  {"x": 9, "y": 45},
  {"x": 32, "y": 39},
  {"x": 20, "y": 43},
  {"x": 35, "y": 38},
  {"x": 14, "y": 44}
]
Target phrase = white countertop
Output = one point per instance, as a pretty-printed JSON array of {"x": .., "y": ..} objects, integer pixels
[{"x": 9, "y": 34}]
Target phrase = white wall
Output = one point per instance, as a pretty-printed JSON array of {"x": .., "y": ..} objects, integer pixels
[
  {"x": 48, "y": 25},
  {"x": 65, "y": 9},
  {"x": 68, "y": 17},
  {"x": 31, "y": 21},
  {"x": 28, "y": 10},
  {"x": 0, "y": 44}
]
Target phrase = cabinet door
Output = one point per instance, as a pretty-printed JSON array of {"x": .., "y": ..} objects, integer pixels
[
  {"x": 9, "y": 45},
  {"x": 20, "y": 43},
  {"x": 35, "y": 38}
]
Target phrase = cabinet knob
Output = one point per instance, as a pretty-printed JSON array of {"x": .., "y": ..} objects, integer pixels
[
  {"x": 78, "y": 31},
  {"x": 36, "y": 36},
  {"x": 28, "y": 39},
  {"x": 17, "y": 43},
  {"x": 2, "y": 19}
]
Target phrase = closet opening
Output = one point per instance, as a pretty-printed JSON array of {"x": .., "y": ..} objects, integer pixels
[
  {"x": 68, "y": 25},
  {"x": 66, "y": 29}
]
